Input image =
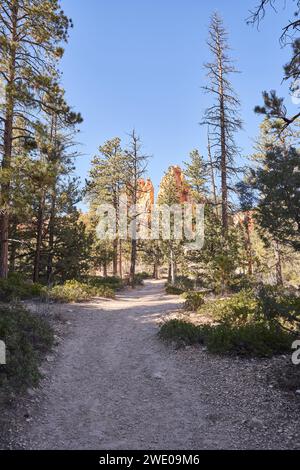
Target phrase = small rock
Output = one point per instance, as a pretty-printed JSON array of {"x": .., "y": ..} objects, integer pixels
[
  {"x": 257, "y": 422},
  {"x": 297, "y": 392},
  {"x": 158, "y": 376},
  {"x": 50, "y": 359}
]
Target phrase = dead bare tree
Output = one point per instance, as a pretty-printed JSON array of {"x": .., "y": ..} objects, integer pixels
[
  {"x": 136, "y": 166},
  {"x": 223, "y": 116}
]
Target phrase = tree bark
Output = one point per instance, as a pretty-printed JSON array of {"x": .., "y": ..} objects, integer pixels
[
  {"x": 224, "y": 187},
  {"x": 120, "y": 260},
  {"x": 249, "y": 245},
  {"x": 133, "y": 261},
  {"x": 39, "y": 240},
  {"x": 155, "y": 271},
  {"x": 213, "y": 181},
  {"x": 172, "y": 266},
  {"x": 51, "y": 229},
  {"x": 278, "y": 266},
  {"x": 115, "y": 258},
  {"x": 105, "y": 269}
]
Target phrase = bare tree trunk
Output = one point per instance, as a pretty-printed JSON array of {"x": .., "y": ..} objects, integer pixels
[
  {"x": 13, "y": 246},
  {"x": 39, "y": 240},
  {"x": 213, "y": 181},
  {"x": 249, "y": 246},
  {"x": 278, "y": 266},
  {"x": 155, "y": 271},
  {"x": 51, "y": 229},
  {"x": 105, "y": 269},
  {"x": 115, "y": 258},
  {"x": 172, "y": 265},
  {"x": 133, "y": 261},
  {"x": 224, "y": 187},
  {"x": 120, "y": 260}
]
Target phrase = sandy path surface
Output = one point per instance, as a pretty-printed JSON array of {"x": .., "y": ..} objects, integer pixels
[{"x": 115, "y": 385}]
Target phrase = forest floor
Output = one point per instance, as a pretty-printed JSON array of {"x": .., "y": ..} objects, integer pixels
[{"x": 112, "y": 384}]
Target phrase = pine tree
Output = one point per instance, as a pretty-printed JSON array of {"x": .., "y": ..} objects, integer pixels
[
  {"x": 196, "y": 174},
  {"x": 30, "y": 35},
  {"x": 278, "y": 182},
  {"x": 107, "y": 183}
]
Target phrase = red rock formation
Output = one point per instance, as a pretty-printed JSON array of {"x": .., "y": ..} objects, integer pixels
[
  {"x": 146, "y": 193},
  {"x": 241, "y": 218},
  {"x": 184, "y": 191}
]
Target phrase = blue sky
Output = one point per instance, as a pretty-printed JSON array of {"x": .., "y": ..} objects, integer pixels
[{"x": 138, "y": 63}]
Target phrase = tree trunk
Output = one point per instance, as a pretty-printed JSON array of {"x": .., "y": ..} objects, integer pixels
[
  {"x": 278, "y": 266},
  {"x": 172, "y": 266},
  {"x": 39, "y": 240},
  {"x": 155, "y": 271},
  {"x": 249, "y": 245},
  {"x": 224, "y": 187},
  {"x": 120, "y": 260},
  {"x": 51, "y": 229},
  {"x": 133, "y": 261},
  {"x": 213, "y": 181},
  {"x": 115, "y": 258},
  {"x": 105, "y": 269}
]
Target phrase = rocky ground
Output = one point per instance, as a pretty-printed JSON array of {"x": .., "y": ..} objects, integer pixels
[{"x": 112, "y": 384}]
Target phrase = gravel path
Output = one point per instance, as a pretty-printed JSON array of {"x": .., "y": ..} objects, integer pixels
[{"x": 114, "y": 385}]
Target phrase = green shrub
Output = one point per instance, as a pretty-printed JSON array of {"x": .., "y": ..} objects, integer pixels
[
  {"x": 184, "y": 283},
  {"x": 182, "y": 331},
  {"x": 75, "y": 291},
  {"x": 276, "y": 303},
  {"x": 27, "y": 338},
  {"x": 112, "y": 282},
  {"x": 144, "y": 275},
  {"x": 173, "y": 290},
  {"x": 267, "y": 304},
  {"x": 252, "y": 339},
  {"x": 238, "y": 309},
  {"x": 139, "y": 279},
  {"x": 193, "y": 300},
  {"x": 16, "y": 288},
  {"x": 241, "y": 282}
]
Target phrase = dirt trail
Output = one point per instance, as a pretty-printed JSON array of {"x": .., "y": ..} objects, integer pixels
[{"x": 114, "y": 385}]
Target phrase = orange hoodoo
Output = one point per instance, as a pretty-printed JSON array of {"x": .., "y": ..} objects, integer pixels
[
  {"x": 146, "y": 193},
  {"x": 184, "y": 191}
]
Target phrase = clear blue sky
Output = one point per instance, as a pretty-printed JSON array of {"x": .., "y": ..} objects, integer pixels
[{"x": 138, "y": 63}]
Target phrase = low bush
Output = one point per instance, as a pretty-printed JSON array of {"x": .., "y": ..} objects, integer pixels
[
  {"x": 181, "y": 331},
  {"x": 27, "y": 338},
  {"x": 173, "y": 290},
  {"x": 16, "y": 288},
  {"x": 277, "y": 304},
  {"x": 238, "y": 309},
  {"x": 75, "y": 291},
  {"x": 193, "y": 301},
  {"x": 252, "y": 339},
  {"x": 112, "y": 282},
  {"x": 139, "y": 279},
  {"x": 144, "y": 275},
  {"x": 184, "y": 283},
  {"x": 241, "y": 282}
]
